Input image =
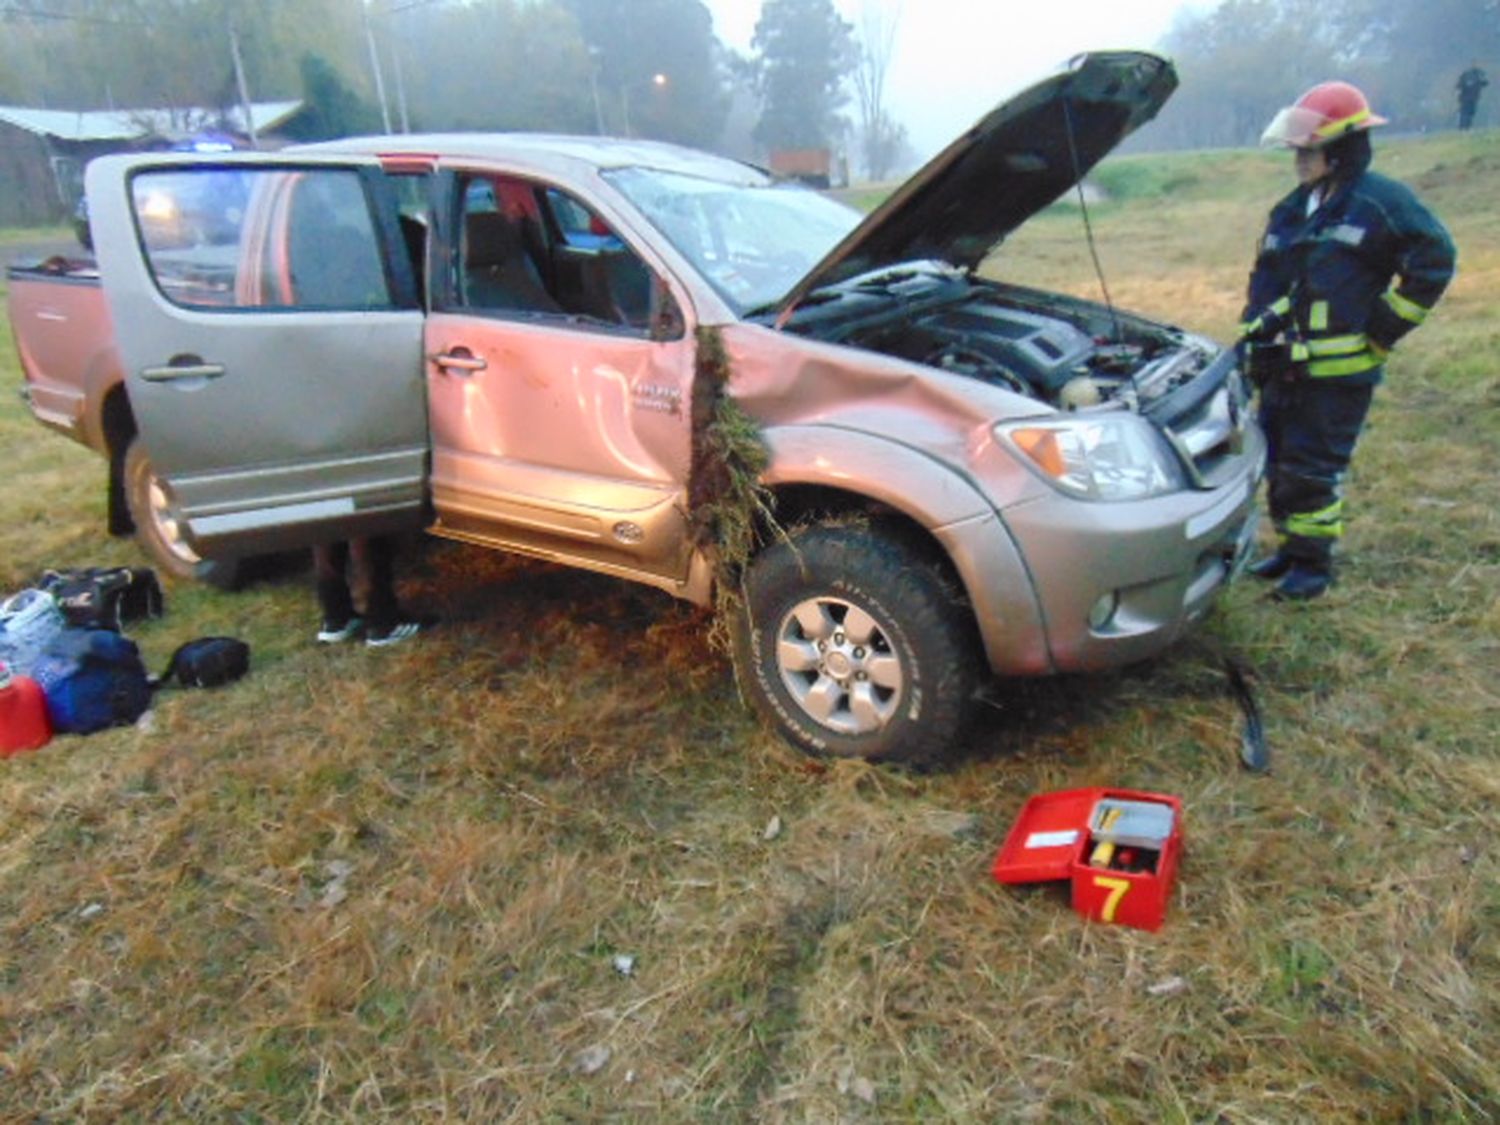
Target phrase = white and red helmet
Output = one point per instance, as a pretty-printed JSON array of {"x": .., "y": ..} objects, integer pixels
[{"x": 1325, "y": 113}]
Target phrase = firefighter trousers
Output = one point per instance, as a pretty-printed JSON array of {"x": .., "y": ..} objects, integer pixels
[{"x": 1311, "y": 428}]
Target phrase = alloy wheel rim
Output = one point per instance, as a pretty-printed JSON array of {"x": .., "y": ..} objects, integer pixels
[
  {"x": 168, "y": 523},
  {"x": 838, "y": 665}
]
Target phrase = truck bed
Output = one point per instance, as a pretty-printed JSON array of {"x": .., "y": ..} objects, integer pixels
[{"x": 62, "y": 331}]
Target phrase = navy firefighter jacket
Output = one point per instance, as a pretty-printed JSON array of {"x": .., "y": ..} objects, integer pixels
[{"x": 1350, "y": 280}]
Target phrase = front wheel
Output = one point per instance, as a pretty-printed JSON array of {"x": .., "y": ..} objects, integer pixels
[
  {"x": 851, "y": 644},
  {"x": 160, "y": 529}
]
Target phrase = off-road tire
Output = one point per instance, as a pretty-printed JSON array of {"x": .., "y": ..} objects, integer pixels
[
  {"x": 157, "y": 530},
  {"x": 896, "y": 685}
]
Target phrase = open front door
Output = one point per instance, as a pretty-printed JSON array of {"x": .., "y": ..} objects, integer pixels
[{"x": 266, "y": 318}]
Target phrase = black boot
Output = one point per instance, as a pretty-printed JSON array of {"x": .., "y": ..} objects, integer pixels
[
  {"x": 1303, "y": 582},
  {"x": 1271, "y": 567}
]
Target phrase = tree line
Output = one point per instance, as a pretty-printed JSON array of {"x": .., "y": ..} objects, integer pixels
[
  {"x": 655, "y": 68},
  {"x": 1244, "y": 59},
  {"x": 648, "y": 68}
]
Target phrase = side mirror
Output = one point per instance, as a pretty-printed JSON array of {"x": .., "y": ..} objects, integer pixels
[{"x": 667, "y": 321}]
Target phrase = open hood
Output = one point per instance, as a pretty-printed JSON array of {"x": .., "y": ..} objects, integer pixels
[{"x": 1019, "y": 158}]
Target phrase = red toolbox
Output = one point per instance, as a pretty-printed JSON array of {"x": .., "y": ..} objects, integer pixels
[{"x": 1118, "y": 847}]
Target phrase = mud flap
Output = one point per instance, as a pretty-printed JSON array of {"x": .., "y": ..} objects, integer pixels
[{"x": 1255, "y": 755}]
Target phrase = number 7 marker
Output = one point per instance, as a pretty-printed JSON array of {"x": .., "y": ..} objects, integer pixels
[{"x": 1117, "y": 889}]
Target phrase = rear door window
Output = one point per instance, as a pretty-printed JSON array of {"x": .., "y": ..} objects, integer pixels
[{"x": 266, "y": 238}]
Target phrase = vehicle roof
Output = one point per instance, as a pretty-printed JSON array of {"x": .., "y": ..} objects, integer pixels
[{"x": 552, "y": 151}]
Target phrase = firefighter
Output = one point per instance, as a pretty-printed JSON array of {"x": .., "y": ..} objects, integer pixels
[{"x": 1349, "y": 263}]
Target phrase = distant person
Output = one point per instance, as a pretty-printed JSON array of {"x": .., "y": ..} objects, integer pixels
[
  {"x": 1471, "y": 84},
  {"x": 1350, "y": 262},
  {"x": 368, "y": 563}
]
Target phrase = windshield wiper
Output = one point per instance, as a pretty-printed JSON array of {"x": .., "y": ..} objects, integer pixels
[
  {"x": 882, "y": 281},
  {"x": 816, "y": 297}
]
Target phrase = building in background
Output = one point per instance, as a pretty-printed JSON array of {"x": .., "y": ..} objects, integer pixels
[{"x": 43, "y": 151}]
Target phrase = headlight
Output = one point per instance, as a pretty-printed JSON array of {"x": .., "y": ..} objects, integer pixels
[{"x": 1120, "y": 457}]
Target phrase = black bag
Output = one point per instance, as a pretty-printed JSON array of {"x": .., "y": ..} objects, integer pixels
[
  {"x": 105, "y": 597},
  {"x": 92, "y": 678},
  {"x": 208, "y": 662}
]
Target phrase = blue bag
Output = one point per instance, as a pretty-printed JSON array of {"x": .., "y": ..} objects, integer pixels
[{"x": 92, "y": 678}]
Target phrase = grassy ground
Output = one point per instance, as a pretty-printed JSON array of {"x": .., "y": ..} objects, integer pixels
[{"x": 395, "y": 885}]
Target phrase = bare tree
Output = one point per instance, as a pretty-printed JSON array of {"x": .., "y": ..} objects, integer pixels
[{"x": 880, "y": 138}]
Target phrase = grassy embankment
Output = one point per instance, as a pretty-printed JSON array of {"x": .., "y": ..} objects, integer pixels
[{"x": 368, "y": 885}]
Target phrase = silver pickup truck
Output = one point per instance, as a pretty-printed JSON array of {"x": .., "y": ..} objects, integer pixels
[{"x": 508, "y": 340}]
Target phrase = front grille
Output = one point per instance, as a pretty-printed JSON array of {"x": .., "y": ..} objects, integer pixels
[{"x": 1209, "y": 429}]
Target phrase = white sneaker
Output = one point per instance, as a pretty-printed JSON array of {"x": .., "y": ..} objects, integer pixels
[
  {"x": 332, "y": 634},
  {"x": 401, "y": 631}
]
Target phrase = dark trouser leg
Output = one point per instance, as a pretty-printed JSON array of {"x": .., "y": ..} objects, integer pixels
[
  {"x": 1276, "y": 406},
  {"x": 374, "y": 569},
  {"x": 334, "y": 599},
  {"x": 1312, "y": 427},
  {"x": 121, "y": 522}
]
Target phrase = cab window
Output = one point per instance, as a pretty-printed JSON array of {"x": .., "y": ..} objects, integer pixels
[{"x": 531, "y": 250}]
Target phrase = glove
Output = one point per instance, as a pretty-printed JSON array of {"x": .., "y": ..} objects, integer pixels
[{"x": 1264, "y": 325}]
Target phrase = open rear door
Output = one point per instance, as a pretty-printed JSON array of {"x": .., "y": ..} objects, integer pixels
[{"x": 266, "y": 317}]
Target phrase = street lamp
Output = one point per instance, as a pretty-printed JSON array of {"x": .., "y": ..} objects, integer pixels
[{"x": 595, "y": 54}]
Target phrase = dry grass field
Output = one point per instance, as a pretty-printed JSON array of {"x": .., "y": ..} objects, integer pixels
[{"x": 404, "y": 884}]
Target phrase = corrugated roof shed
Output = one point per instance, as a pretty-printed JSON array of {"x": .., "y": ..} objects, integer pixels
[{"x": 129, "y": 124}]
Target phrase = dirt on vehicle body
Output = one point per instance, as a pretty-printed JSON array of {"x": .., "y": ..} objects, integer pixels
[{"x": 496, "y": 338}]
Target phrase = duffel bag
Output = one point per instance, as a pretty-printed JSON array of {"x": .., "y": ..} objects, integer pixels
[
  {"x": 92, "y": 678},
  {"x": 105, "y": 597}
]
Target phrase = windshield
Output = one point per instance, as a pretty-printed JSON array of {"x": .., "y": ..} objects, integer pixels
[{"x": 752, "y": 242}]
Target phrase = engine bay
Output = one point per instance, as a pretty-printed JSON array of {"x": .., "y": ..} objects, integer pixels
[{"x": 1062, "y": 351}]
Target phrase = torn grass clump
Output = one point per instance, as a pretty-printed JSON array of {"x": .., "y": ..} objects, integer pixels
[{"x": 727, "y": 503}]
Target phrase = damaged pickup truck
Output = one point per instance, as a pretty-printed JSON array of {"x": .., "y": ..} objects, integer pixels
[{"x": 501, "y": 339}]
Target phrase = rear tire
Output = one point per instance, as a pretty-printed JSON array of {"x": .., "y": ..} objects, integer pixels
[
  {"x": 160, "y": 530},
  {"x": 852, "y": 644}
]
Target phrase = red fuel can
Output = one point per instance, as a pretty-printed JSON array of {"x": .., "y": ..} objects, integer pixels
[{"x": 23, "y": 714}]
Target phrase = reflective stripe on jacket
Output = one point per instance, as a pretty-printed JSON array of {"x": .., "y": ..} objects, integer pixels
[{"x": 1352, "y": 278}]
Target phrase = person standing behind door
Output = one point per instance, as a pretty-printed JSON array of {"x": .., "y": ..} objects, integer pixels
[{"x": 368, "y": 566}]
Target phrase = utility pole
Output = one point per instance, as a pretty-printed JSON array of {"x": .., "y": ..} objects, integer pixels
[
  {"x": 400, "y": 77},
  {"x": 594, "y": 54},
  {"x": 385, "y": 111},
  {"x": 239, "y": 79}
]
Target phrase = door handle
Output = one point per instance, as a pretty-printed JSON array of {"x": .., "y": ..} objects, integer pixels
[
  {"x": 460, "y": 359},
  {"x": 182, "y": 367}
]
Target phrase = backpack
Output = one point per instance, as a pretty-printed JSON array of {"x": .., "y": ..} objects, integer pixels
[
  {"x": 208, "y": 662},
  {"x": 105, "y": 597},
  {"x": 29, "y": 622},
  {"x": 92, "y": 678}
]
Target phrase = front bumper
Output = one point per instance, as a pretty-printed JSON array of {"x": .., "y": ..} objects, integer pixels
[{"x": 1120, "y": 582}]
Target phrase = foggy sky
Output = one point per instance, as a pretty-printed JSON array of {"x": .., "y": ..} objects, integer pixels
[{"x": 955, "y": 59}]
